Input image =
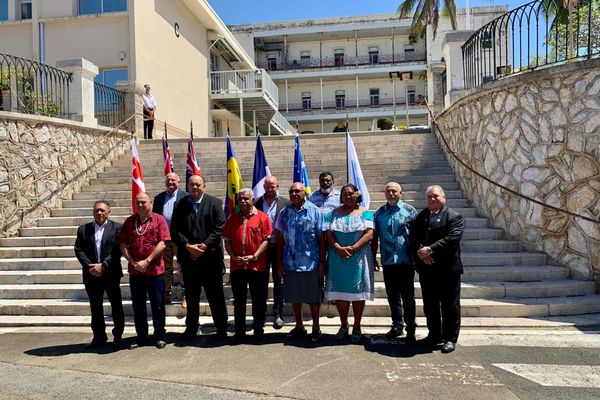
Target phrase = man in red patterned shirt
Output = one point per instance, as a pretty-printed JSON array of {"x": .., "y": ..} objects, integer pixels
[
  {"x": 142, "y": 241},
  {"x": 246, "y": 235}
]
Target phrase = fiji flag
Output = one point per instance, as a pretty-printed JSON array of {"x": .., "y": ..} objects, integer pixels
[
  {"x": 355, "y": 175},
  {"x": 234, "y": 181},
  {"x": 191, "y": 165},
  {"x": 261, "y": 170},
  {"x": 300, "y": 172},
  {"x": 168, "y": 167}
]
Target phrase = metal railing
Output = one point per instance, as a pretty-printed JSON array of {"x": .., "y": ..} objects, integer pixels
[
  {"x": 282, "y": 124},
  {"x": 243, "y": 81},
  {"x": 109, "y": 105},
  {"x": 535, "y": 34},
  {"x": 351, "y": 103},
  {"x": 31, "y": 87},
  {"x": 345, "y": 61}
]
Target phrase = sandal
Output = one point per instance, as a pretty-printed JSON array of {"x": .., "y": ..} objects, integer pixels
[
  {"x": 356, "y": 336},
  {"x": 315, "y": 336},
  {"x": 297, "y": 332},
  {"x": 341, "y": 334}
]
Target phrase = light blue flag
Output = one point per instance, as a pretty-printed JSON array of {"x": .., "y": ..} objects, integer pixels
[
  {"x": 300, "y": 172},
  {"x": 261, "y": 170},
  {"x": 355, "y": 175}
]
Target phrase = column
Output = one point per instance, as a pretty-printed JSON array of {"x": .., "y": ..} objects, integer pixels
[
  {"x": 81, "y": 95},
  {"x": 133, "y": 104}
]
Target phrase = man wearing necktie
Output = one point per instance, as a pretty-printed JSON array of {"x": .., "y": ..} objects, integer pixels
[
  {"x": 196, "y": 228},
  {"x": 164, "y": 203},
  {"x": 435, "y": 237},
  {"x": 98, "y": 253}
]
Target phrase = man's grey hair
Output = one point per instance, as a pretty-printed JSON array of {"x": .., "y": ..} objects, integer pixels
[
  {"x": 246, "y": 191},
  {"x": 438, "y": 187}
]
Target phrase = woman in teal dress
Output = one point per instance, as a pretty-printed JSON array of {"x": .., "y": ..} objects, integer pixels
[{"x": 351, "y": 267}]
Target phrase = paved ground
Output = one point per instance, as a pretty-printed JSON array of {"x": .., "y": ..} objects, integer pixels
[{"x": 51, "y": 363}]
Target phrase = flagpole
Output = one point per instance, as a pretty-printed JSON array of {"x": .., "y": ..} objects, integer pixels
[
  {"x": 191, "y": 130},
  {"x": 347, "y": 166}
]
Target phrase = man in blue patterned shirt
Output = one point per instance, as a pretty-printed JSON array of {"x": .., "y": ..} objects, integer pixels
[
  {"x": 327, "y": 197},
  {"x": 300, "y": 258},
  {"x": 391, "y": 227}
]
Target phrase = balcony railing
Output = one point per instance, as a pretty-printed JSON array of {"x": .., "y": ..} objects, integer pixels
[
  {"x": 31, "y": 87},
  {"x": 282, "y": 124},
  {"x": 243, "y": 82},
  {"x": 348, "y": 105},
  {"x": 345, "y": 61},
  {"x": 535, "y": 34}
]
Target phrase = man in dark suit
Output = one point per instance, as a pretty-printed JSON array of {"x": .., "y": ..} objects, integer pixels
[
  {"x": 164, "y": 203},
  {"x": 98, "y": 253},
  {"x": 435, "y": 236},
  {"x": 196, "y": 228},
  {"x": 271, "y": 204}
]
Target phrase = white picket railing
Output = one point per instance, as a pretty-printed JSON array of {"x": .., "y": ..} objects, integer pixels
[{"x": 244, "y": 81}]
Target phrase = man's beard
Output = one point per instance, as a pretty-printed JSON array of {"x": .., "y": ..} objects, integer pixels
[{"x": 326, "y": 190}]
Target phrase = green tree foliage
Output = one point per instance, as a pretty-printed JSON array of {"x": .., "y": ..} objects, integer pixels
[{"x": 427, "y": 12}]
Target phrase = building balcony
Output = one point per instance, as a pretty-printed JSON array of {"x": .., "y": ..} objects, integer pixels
[
  {"x": 365, "y": 108},
  {"x": 345, "y": 62},
  {"x": 250, "y": 94}
]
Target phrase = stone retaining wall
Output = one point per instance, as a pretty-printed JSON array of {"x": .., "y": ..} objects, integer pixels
[
  {"x": 538, "y": 134},
  {"x": 33, "y": 146}
]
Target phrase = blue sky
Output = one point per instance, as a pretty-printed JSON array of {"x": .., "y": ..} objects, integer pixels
[{"x": 249, "y": 11}]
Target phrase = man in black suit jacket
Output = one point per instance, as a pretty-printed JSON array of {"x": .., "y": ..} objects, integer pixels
[
  {"x": 164, "y": 203},
  {"x": 435, "y": 237},
  {"x": 98, "y": 253},
  {"x": 271, "y": 204},
  {"x": 196, "y": 228}
]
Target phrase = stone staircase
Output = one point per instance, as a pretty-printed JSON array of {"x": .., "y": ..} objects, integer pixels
[{"x": 40, "y": 279}]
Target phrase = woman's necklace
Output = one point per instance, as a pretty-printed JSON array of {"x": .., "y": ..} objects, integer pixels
[{"x": 141, "y": 230}]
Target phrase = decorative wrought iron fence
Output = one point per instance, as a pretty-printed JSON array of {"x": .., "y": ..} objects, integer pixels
[
  {"x": 109, "y": 105},
  {"x": 538, "y": 33},
  {"x": 31, "y": 87}
]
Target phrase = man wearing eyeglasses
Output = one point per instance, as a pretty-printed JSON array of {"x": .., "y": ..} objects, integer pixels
[
  {"x": 301, "y": 258},
  {"x": 435, "y": 237}
]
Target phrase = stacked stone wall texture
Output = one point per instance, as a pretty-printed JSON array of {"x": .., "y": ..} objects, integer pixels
[
  {"x": 30, "y": 152},
  {"x": 538, "y": 134}
]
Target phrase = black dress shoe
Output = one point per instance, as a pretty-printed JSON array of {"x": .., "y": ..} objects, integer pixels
[
  {"x": 395, "y": 332},
  {"x": 161, "y": 344},
  {"x": 117, "y": 343},
  {"x": 448, "y": 347},
  {"x": 429, "y": 341},
  {"x": 221, "y": 334},
  {"x": 95, "y": 343},
  {"x": 410, "y": 339},
  {"x": 189, "y": 334}
]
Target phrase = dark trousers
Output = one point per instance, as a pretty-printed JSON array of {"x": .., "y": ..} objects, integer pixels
[
  {"x": 95, "y": 288},
  {"x": 209, "y": 275},
  {"x": 400, "y": 288},
  {"x": 241, "y": 280},
  {"x": 441, "y": 303},
  {"x": 148, "y": 125},
  {"x": 277, "y": 281},
  {"x": 152, "y": 287},
  {"x": 168, "y": 254}
]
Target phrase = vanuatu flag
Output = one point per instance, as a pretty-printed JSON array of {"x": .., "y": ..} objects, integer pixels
[{"x": 234, "y": 181}]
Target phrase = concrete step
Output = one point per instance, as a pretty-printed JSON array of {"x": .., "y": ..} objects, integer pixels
[
  {"x": 508, "y": 307},
  {"x": 479, "y": 290},
  {"x": 64, "y": 270}
]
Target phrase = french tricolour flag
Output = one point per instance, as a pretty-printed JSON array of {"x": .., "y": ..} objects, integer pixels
[{"x": 261, "y": 169}]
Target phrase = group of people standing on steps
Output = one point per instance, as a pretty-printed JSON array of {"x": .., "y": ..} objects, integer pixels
[{"x": 316, "y": 248}]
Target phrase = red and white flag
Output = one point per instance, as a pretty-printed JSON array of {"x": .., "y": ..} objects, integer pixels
[
  {"x": 137, "y": 178},
  {"x": 167, "y": 156},
  {"x": 191, "y": 165}
]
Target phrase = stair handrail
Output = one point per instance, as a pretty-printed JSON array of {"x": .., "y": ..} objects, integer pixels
[
  {"x": 60, "y": 167},
  {"x": 502, "y": 187}
]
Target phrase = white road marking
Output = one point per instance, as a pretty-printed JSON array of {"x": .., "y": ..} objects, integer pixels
[{"x": 580, "y": 376}]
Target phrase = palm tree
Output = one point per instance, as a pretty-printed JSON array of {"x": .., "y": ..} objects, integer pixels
[{"x": 427, "y": 12}]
